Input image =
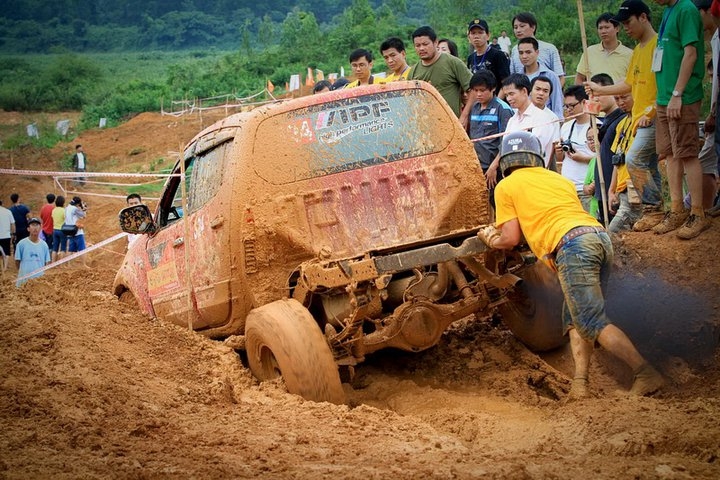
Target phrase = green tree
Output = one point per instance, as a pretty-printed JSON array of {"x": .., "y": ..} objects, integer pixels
[
  {"x": 301, "y": 37},
  {"x": 266, "y": 32},
  {"x": 357, "y": 28}
]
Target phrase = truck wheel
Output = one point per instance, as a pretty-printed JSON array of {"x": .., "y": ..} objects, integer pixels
[
  {"x": 127, "y": 298},
  {"x": 534, "y": 310},
  {"x": 283, "y": 339}
]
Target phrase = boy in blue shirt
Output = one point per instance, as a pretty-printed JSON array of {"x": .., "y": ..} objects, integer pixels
[
  {"x": 489, "y": 116},
  {"x": 31, "y": 253}
]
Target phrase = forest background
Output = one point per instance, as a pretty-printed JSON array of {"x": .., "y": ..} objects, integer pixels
[{"x": 113, "y": 59}]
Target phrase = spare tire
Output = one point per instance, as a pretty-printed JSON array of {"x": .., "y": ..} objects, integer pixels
[{"x": 533, "y": 312}]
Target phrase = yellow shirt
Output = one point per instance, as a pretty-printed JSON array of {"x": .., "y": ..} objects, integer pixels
[
  {"x": 615, "y": 63},
  {"x": 624, "y": 136},
  {"x": 373, "y": 81},
  {"x": 642, "y": 79},
  {"x": 58, "y": 216},
  {"x": 392, "y": 77},
  {"x": 544, "y": 203}
]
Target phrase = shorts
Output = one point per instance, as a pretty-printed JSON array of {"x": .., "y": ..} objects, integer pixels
[
  {"x": 48, "y": 237},
  {"x": 59, "y": 241},
  {"x": 583, "y": 265},
  {"x": 678, "y": 138},
  {"x": 708, "y": 156},
  {"x": 76, "y": 243},
  {"x": 5, "y": 245}
]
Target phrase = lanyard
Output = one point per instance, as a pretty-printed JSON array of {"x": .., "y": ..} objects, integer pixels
[
  {"x": 666, "y": 15},
  {"x": 477, "y": 64}
]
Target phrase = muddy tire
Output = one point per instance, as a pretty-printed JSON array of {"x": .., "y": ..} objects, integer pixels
[
  {"x": 127, "y": 298},
  {"x": 534, "y": 311},
  {"x": 282, "y": 339}
]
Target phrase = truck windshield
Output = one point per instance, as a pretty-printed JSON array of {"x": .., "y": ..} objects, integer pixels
[{"x": 351, "y": 133}]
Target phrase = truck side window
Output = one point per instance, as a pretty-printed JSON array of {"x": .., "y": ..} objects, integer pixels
[{"x": 203, "y": 177}]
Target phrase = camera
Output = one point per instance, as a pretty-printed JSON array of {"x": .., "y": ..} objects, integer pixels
[
  {"x": 566, "y": 146},
  {"x": 618, "y": 159}
]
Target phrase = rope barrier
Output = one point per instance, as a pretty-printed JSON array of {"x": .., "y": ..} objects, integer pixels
[
  {"x": 104, "y": 195},
  {"x": 73, "y": 256},
  {"x": 125, "y": 184},
  {"x": 502, "y": 134},
  {"x": 47, "y": 173},
  {"x": 241, "y": 102}
]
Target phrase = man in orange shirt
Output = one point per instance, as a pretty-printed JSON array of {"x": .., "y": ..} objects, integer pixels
[{"x": 47, "y": 221}]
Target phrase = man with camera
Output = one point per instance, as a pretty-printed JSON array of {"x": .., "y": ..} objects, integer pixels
[
  {"x": 572, "y": 150},
  {"x": 627, "y": 211},
  {"x": 75, "y": 215}
]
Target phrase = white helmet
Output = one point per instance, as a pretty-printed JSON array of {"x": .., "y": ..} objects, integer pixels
[{"x": 520, "y": 149}]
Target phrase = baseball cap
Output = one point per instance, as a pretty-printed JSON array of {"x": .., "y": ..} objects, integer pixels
[
  {"x": 477, "y": 22},
  {"x": 630, "y": 8},
  {"x": 34, "y": 220}
]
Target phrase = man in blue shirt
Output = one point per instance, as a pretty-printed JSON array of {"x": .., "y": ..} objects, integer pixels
[
  {"x": 31, "y": 253},
  {"x": 489, "y": 116},
  {"x": 528, "y": 50}
]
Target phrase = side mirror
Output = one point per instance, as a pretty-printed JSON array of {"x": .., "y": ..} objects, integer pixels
[{"x": 137, "y": 220}]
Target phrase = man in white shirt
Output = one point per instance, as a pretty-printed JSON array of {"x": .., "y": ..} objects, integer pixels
[
  {"x": 572, "y": 150},
  {"x": 505, "y": 43},
  {"x": 7, "y": 231},
  {"x": 542, "y": 123}
]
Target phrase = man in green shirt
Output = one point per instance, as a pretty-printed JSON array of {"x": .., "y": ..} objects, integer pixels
[
  {"x": 679, "y": 67},
  {"x": 448, "y": 74}
]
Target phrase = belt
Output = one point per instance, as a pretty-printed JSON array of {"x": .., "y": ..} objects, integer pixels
[{"x": 576, "y": 232}]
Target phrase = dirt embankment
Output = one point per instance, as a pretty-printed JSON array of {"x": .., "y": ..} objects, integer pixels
[{"x": 93, "y": 389}]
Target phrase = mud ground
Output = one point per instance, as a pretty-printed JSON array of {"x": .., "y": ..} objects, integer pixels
[{"x": 90, "y": 388}]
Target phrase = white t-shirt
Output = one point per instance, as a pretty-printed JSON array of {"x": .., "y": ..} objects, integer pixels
[
  {"x": 6, "y": 220},
  {"x": 72, "y": 215},
  {"x": 505, "y": 44},
  {"x": 573, "y": 170},
  {"x": 545, "y": 127}
]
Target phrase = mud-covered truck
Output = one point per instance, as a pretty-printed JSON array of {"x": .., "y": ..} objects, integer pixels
[{"x": 321, "y": 229}]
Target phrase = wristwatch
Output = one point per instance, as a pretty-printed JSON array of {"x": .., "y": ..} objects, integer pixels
[{"x": 676, "y": 93}]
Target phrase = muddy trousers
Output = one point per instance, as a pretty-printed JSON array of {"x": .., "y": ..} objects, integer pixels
[{"x": 583, "y": 266}]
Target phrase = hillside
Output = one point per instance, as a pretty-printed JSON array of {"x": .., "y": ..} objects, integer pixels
[{"x": 93, "y": 389}]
